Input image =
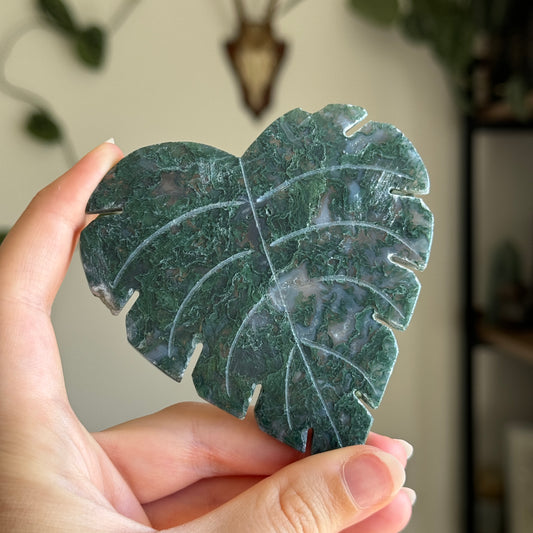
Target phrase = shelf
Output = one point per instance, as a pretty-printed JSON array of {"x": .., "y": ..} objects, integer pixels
[
  {"x": 500, "y": 115},
  {"x": 514, "y": 342}
]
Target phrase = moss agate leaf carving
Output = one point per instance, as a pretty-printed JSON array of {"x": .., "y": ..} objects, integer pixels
[{"x": 290, "y": 265}]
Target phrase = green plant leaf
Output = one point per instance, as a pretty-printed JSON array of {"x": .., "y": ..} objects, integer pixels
[
  {"x": 447, "y": 27},
  {"x": 414, "y": 27},
  {"x": 382, "y": 12},
  {"x": 90, "y": 45},
  {"x": 289, "y": 265},
  {"x": 58, "y": 14},
  {"x": 43, "y": 127}
]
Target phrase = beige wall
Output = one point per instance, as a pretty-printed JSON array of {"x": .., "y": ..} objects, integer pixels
[{"x": 166, "y": 79}]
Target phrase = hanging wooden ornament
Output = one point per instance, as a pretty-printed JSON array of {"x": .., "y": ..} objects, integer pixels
[{"x": 256, "y": 55}]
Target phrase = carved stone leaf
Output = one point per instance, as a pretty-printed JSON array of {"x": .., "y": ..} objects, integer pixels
[{"x": 290, "y": 265}]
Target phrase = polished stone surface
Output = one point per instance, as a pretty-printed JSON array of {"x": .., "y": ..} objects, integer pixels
[{"x": 290, "y": 265}]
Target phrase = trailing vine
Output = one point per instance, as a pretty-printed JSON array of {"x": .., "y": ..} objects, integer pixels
[{"x": 89, "y": 44}]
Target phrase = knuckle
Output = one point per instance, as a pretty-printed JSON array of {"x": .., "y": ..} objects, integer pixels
[
  {"x": 44, "y": 193},
  {"x": 301, "y": 510}
]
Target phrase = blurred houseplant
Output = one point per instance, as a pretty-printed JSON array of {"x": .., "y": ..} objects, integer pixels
[
  {"x": 89, "y": 46},
  {"x": 485, "y": 46}
]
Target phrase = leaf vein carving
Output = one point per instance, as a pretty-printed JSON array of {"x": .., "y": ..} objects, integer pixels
[
  {"x": 197, "y": 286},
  {"x": 242, "y": 327},
  {"x": 287, "y": 378},
  {"x": 352, "y": 223},
  {"x": 369, "y": 286},
  {"x": 284, "y": 305},
  {"x": 347, "y": 166},
  {"x": 175, "y": 222},
  {"x": 314, "y": 345}
]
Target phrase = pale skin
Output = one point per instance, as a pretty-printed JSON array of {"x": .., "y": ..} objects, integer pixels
[{"x": 188, "y": 468}]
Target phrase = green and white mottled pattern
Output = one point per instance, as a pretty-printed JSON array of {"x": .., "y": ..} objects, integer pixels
[{"x": 289, "y": 264}]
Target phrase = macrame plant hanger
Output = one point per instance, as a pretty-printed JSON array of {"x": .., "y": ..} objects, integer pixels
[{"x": 256, "y": 56}]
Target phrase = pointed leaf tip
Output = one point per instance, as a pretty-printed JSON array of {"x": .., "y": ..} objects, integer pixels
[{"x": 58, "y": 14}]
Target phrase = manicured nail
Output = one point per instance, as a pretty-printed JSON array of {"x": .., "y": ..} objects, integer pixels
[
  {"x": 407, "y": 447},
  {"x": 111, "y": 140},
  {"x": 373, "y": 479},
  {"x": 411, "y": 494}
]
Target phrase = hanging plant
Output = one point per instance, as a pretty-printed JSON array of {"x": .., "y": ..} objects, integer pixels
[
  {"x": 88, "y": 42},
  {"x": 482, "y": 45},
  {"x": 43, "y": 127},
  {"x": 89, "y": 45}
]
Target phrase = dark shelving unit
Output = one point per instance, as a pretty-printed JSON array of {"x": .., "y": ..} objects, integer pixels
[{"x": 507, "y": 342}]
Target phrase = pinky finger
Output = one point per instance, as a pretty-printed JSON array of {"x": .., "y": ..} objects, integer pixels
[{"x": 391, "y": 519}]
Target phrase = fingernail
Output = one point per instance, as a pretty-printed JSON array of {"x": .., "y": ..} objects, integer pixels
[
  {"x": 407, "y": 447},
  {"x": 373, "y": 479},
  {"x": 411, "y": 494},
  {"x": 111, "y": 140}
]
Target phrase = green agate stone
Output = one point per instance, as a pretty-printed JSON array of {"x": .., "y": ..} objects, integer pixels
[{"x": 289, "y": 265}]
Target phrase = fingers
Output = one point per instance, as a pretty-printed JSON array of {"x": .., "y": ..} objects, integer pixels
[
  {"x": 162, "y": 454},
  {"x": 401, "y": 449},
  {"x": 391, "y": 519},
  {"x": 36, "y": 253},
  {"x": 195, "y": 462},
  {"x": 197, "y": 500},
  {"x": 326, "y": 492},
  {"x": 208, "y": 494},
  {"x": 165, "y": 452}
]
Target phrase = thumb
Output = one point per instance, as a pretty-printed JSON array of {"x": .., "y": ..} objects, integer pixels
[
  {"x": 323, "y": 493},
  {"x": 37, "y": 251},
  {"x": 33, "y": 260}
]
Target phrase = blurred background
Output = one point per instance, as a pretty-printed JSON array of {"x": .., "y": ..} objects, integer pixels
[{"x": 454, "y": 76}]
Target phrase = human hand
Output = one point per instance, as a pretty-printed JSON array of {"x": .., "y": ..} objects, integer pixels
[{"x": 190, "y": 467}]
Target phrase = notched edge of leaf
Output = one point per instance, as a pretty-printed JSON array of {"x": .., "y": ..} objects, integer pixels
[
  {"x": 420, "y": 182},
  {"x": 105, "y": 211},
  {"x": 349, "y": 117},
  {"x": 103, "y": 293}
]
